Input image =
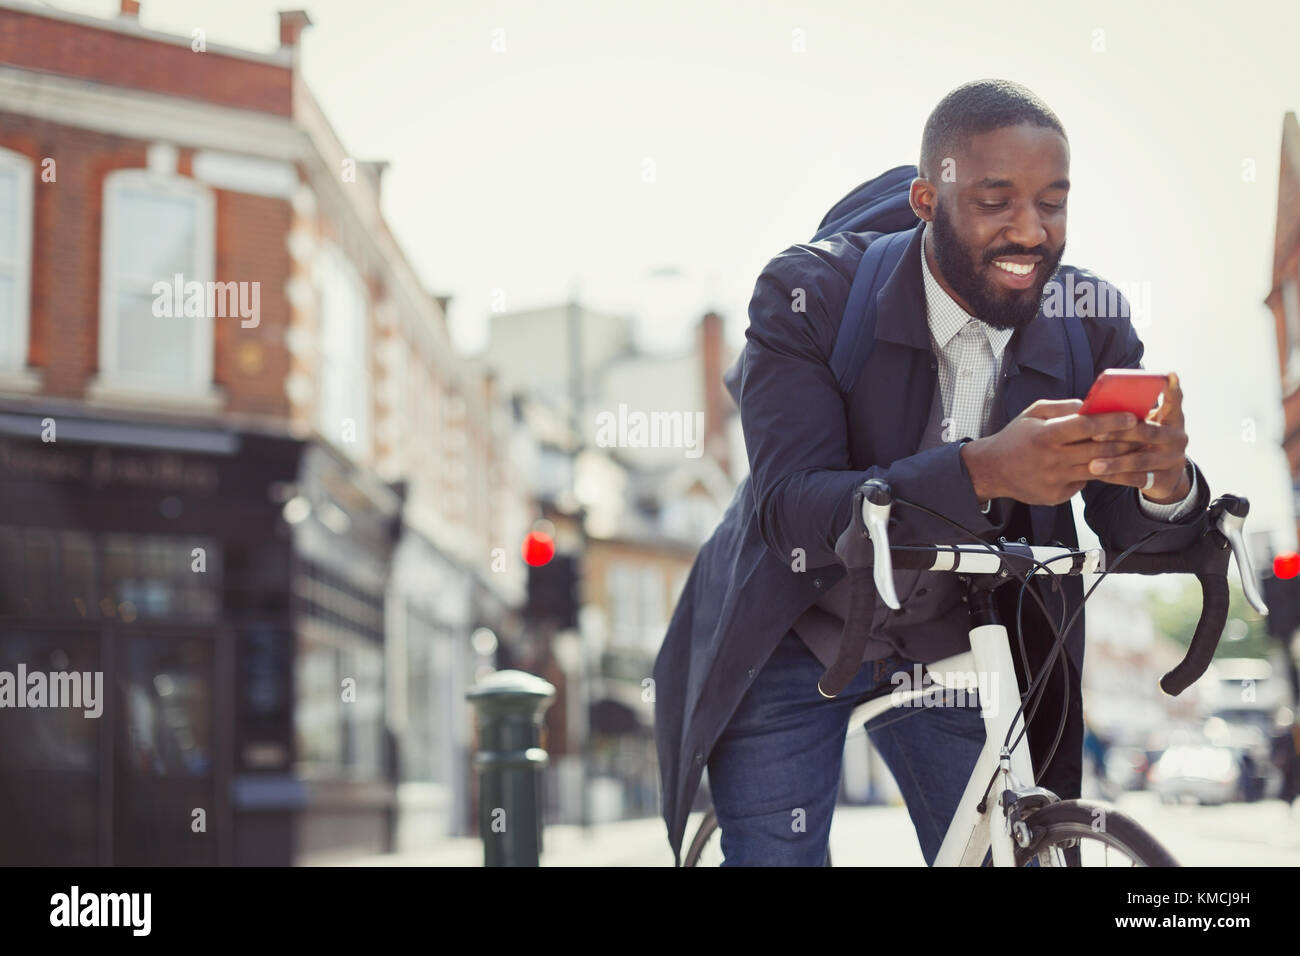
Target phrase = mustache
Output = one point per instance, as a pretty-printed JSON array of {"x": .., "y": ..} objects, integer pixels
[{"x": 1045, "y": 254}]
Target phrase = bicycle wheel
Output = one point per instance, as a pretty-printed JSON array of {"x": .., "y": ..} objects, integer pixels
[
  {"x": 1087, "y": 833},
  {"x": 706, "y": 845}
]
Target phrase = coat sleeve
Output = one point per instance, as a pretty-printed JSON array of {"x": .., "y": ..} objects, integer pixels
[
  {"x": 796, "y": 427},
  {"x": 1113, "y": 511}
]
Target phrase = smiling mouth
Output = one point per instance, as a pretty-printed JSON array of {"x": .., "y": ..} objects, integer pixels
[{"x": 1016, "y": 272}]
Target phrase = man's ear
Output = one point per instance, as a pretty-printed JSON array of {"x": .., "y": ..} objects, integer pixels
[{"x": 922, "y": 197}]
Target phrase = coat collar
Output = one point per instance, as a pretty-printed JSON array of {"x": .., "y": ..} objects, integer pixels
[
  {"x": 901, "y": 319},
  {"x": 946, "y": 316}
]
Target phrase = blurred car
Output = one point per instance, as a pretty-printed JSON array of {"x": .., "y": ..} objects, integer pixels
[
  {"x": 1202, "y": 772},
  {"x": 1247, "y": 734},
  {"x": 1127, "y": 767}
]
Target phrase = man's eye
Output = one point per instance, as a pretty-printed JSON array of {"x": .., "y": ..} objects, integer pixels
[{"x": 999, "y": 205}]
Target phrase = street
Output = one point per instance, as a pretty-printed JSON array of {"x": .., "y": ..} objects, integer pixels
[{"x": 1266, "y": 833}]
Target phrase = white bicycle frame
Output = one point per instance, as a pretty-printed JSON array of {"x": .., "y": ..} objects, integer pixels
[{"x": 988, "y": 667}]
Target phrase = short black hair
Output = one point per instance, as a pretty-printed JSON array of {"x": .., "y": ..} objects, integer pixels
[{"x": 979, "y": 107}]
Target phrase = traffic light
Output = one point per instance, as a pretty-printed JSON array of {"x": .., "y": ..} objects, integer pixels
[
  {"x": 538, "y": 549},
  {"x": 1281, "y": 592}
]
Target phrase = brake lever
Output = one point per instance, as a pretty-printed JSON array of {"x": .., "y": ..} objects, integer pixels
[
  {"x": 1230, "y": 523},
  {"x": 877, "y": 501}
]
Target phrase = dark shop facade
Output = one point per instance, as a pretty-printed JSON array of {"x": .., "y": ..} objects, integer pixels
[{"x": 228, "y": 588}]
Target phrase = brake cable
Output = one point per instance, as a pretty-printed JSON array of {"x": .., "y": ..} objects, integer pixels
[{"x": 1037, "y": 682}]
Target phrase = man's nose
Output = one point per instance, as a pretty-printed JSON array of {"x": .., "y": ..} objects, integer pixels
[{"x": 1027, "y": 229}]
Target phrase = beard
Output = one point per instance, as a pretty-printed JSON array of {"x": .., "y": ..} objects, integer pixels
[{"x": 972, "y": 279}]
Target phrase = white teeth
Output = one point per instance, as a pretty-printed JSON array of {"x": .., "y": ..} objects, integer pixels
[{"x": 1014, "y": 268}]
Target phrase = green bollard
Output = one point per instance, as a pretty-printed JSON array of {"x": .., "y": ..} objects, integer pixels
[{"x": 509, "y": 761}]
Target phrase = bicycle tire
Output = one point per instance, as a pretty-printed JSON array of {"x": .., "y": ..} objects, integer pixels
[
  {"x": 1065, "y": 824},
  {"x": 708, "y": 826},
  {"x": 704, "y": 833}
]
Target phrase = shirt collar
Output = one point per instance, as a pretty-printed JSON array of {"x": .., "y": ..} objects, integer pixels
[{"x": 946, "y": 317}]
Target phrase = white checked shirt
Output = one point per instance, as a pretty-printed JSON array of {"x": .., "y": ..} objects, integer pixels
[{"x": 969, "y": 354}]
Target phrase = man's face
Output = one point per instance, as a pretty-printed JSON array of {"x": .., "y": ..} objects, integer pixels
[{"x": 1006, "y": 208}]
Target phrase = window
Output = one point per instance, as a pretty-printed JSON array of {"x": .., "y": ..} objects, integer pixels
[
  {"x": 339, "y": 676},
  {"x": 428, "y": 745},
  {"x": 15, "y": 258},
  {"x": 145, "y": 577},
  {"x": 620, "y": 585},
  {"x": 636, "y": 602},
  {"x": 398, "y": 404},
  {"x": 156, "y": 228},
  {"x": 1291, "y": 309},
  {"x": 653, "y": 624},
  {"x": 343, "y": 408}
]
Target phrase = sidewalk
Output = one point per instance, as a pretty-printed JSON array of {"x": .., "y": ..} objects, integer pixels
[
  {"x": 860, "y": 836},
  {"x": 1266, "y": 833},
  {"x": 625, "y": 843}
]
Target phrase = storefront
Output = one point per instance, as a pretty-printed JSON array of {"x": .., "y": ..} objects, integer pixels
[{"x": 227, "y": 588}]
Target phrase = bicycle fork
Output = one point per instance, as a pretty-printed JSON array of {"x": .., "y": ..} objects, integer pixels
[{"x": 972, "y": 831}]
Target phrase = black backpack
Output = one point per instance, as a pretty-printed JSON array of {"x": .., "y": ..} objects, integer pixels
[{"x": 883, "y": 205}]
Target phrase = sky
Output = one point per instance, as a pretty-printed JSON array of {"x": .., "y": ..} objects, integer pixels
[{"x": 653, "y": 156}]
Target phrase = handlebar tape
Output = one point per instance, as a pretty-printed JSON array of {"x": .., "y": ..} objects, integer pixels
[
  {"x": 857, "y": 625},
  {"x": 1214, "y": 614}
]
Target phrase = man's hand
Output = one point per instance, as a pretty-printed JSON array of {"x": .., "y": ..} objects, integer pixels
[
  {"x": 1164, "y": 442},
  {"x": 1042, "y": 456}
]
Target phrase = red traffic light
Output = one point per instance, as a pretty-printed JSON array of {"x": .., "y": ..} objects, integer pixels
[
  {"x": 538, "y": 548},
  {"x": 1286, "y": 564}
]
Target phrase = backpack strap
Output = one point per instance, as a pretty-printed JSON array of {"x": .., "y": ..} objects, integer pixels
[{"x": 857, "y": 331}]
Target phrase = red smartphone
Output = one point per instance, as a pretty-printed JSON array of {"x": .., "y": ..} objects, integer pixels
[{"x": 1124, "y": 390}]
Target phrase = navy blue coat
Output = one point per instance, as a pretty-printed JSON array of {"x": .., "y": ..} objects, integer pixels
[{"x": 810, "y": 446}]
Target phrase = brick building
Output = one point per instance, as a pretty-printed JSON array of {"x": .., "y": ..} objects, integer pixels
[
  {"x": 1284, "y": 296},
  {"x": 242, "y": 472}
]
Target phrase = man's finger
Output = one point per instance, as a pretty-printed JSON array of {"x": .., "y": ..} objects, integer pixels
[
  {"x": 1134, "y": 479},
  {"x": 1083, "y": 452},
  {"x": 1172, "y": 406},
  {"x": 1052, "y": 408},
  {"x": 1148, "y": 433},
  {"x": 1142, "y": 461},
  {"x": 1071, "y": 428}
]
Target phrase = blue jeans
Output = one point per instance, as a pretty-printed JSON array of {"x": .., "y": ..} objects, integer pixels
[{"x": 775, "y": 773}]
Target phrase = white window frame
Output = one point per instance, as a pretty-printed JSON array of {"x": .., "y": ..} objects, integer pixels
[
  {"x": 111, "y": 382},
  {"x": 331, "y": 259},
  {"x": 652, "y": 609},
  {"x": 622, "y": 595},
  {"x": 22, "y": 264}
]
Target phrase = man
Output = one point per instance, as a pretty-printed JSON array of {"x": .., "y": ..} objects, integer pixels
[{"x": 963, "y": 407}]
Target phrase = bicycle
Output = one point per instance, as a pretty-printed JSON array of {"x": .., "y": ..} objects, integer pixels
[{"x": 1037, "y": 827}]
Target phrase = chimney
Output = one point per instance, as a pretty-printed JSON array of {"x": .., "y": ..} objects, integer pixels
[
  {"x": 292, "y": 23},
  {"x": 716, "y": 401},
  {"x": 130, "y": 8}
]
